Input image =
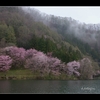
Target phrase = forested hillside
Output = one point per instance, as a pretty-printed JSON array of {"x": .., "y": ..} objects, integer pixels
[
  {"x": 48, "y": 44},
  {"x": 81, "y": 35},
  {"x": 20, "y": 28}
]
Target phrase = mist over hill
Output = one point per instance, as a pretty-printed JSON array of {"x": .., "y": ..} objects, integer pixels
[
  {"x": 84, "y": 36},
  {"x": 67, "y": 45}
]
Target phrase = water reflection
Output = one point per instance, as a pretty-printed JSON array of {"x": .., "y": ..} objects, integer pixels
[
  {"x": 4, "y": 86},
  {"x": 50, "y": 86}
]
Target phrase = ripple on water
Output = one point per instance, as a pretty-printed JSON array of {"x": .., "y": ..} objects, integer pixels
[{"x": 50, "y": 86}]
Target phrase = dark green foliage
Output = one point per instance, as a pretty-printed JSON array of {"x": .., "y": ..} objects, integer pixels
[
  {"x": 42, "y": 44},
  {"x": 46, "y": 45},
  {"x": 20, "y": 29},
  {"x": 7, "y": 34},
  {"x": 34, "y": 42}
]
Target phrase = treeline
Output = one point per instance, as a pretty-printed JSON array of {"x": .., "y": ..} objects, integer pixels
[
  {"x": 46, "y": 45},
  {"x": 18, "y": 28},
  {"x": 85, "y": 48},
  {"x": 84, "y": 36},
  {"x": 78, "y": 35}
]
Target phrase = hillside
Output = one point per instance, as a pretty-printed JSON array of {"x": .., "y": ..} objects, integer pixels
[
  {"x": 19, "y": 28},
  {"x": 59, "y": 44},
  {"x": 81, "y": 35}
]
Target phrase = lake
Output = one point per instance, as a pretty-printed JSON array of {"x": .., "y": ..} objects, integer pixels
[{"x": 50, "y": 86}]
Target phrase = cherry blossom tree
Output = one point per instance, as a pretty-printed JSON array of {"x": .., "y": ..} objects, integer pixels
[
  {"x": 37, "y": 60},
  {"x": 5, "y": 63},
  {"x": 30, "y": 53},
  {"x": 18, "y": 56},
  {"x": 86, "y": 69},
  {"x": 73, "y": 67}
]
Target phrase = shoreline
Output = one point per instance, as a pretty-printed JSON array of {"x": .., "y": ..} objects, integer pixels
[
  {"x": 20, "y": 74},
  {"x": 26, "y": 74}
]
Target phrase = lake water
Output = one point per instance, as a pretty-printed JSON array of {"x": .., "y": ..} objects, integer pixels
[{"x": 50, "y": 86}]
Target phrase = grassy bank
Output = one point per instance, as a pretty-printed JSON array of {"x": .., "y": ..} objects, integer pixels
[{"x": 28, "y": 74}]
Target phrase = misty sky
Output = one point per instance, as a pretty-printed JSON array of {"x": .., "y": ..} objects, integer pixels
[{"x": 84, "y": 14}]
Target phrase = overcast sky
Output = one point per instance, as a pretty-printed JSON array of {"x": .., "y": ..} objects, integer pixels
[{"x": 84, "y": 14}]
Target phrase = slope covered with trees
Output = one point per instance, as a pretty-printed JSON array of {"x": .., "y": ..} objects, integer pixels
[
  {"x": 84, "y": 36},
  {"x": 19, "y": 28},
  {"x": 30, "y": 39}
]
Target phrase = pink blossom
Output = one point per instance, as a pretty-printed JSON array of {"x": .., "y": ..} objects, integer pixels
[
  {"x": 18, "y": 56},
  {"x": 73, "y": 67},
  {"x": 38, "y": 60},
  {"x": 5, "y": 63},
  {"x": 74, "y": 64},
  {"x": 30, "y": 53}
]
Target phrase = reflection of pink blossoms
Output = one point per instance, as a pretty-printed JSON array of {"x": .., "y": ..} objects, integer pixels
[{"x": 5, "y": 63}]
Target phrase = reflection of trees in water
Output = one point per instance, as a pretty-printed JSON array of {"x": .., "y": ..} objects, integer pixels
[{"x": 5, "y": 86}]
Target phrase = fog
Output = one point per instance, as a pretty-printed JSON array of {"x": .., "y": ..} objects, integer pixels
[
  {"x": 85, "y": 14},
  {"x": 88, "y": 33}
]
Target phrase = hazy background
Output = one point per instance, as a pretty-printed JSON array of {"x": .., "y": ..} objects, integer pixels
[{"x": 86, "y": 14}]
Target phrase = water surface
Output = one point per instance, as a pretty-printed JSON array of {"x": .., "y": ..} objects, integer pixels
[{"x": 50, "y": 86}]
